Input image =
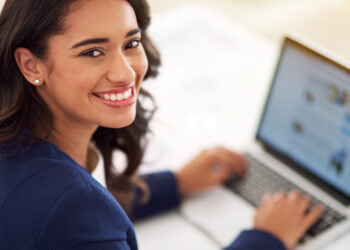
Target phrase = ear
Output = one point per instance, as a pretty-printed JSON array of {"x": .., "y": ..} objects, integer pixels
[{"x": 30, "y": 66}]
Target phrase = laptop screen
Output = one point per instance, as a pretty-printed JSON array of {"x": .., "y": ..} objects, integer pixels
[{"x": 307, "y": 115}]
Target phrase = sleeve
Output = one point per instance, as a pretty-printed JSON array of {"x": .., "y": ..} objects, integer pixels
[
  {"x": 164, "y": 195},
  {"x": 86, "y": 217},
  {"x": 257, "y": 240}
]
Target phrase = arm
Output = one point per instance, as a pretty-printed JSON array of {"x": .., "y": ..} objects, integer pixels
[
  {"x": 164, "y": 195},
  {"x": 280, "y": 219},
  {"x": 257, "y": 240},
  {"x": 166, "y": 188},
  {"x": 86, "y": 217}
]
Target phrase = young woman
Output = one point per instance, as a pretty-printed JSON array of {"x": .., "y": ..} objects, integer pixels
[{"x": 70, "y": 81}]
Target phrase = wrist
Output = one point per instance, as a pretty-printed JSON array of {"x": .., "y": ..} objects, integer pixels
[
  {"x": 262, "y": 240},
  {"x": 181, "y": 183},
  {"x": 274, "y": 234}
]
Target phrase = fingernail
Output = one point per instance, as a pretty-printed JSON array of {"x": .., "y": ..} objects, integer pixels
[
  {"x": 217, "y": 168},
  {"x": 320, "y": 207}
]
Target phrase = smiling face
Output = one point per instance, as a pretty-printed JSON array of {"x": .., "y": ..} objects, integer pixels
[{"x": 94, "y": 69}]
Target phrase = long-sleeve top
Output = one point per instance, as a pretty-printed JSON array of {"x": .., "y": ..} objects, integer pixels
[{"x": 48, "y": 202}]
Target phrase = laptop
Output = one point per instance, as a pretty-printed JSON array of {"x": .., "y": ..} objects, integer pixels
[{"x": 303, "y": 139}]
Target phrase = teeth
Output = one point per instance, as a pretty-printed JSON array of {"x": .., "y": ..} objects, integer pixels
[
  {"x": 113, "y": 97},
  {"x": 127, "y": 94},
  {"x": 106, "y": 96},
  {"x": 118, "y": 96}
]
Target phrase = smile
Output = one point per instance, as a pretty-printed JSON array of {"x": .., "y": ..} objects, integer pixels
[{"x": 118, "y": 97}]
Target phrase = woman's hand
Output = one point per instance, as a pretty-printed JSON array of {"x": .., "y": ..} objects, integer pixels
[
  {"x": 211, "y": 167},
  {"x": 286, "y": 216}
]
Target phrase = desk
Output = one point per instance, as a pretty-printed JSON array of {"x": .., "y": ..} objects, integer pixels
[
  {"x": 212, "y": 86},
  {"x": 207, "y": 221}
]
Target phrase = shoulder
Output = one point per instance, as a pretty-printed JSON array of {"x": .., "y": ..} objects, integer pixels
[
  {"x": 53, "y": 202},
  {"x": 38, "y": 175},
  {"x": 40, "y": 168},
  {"x": 84, "y": 213}
]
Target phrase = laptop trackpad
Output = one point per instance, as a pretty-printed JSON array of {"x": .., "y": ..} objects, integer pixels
[{"x": 219, "y": 213}]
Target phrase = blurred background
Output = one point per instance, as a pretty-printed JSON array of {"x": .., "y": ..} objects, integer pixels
[
  {"x": 324, "y": 21},
  {"x": 218, "y": 58}
]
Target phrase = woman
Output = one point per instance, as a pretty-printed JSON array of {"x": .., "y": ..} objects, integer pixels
[{"x": 71, "y": 75}]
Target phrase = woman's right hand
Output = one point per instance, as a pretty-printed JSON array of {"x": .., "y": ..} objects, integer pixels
[{"x": 285, "y": 216}]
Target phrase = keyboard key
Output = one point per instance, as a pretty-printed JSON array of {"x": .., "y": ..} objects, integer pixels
[{"x": 260, "y": 179}]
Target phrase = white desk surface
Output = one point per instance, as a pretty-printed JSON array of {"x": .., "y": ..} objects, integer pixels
[{"x": 211, "y": 90}]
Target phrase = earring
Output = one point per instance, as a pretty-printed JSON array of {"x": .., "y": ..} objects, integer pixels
[{"x": 37, "y": 82}]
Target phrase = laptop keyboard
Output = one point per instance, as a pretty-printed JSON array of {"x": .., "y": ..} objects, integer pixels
[{"x": 260, "y": 179}]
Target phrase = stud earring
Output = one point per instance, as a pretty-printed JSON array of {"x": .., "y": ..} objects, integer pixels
[{"x": 37, "y": 81}]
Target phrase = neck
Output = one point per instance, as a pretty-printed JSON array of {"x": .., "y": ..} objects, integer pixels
[{"x": 74, "y": 141}]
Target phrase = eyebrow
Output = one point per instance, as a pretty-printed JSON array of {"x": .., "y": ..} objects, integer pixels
[
  {"x": 133, "y": 32},
  {"x": 103, "y": 40}
]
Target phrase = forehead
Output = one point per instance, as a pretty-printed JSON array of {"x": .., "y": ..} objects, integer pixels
[{"x": 99, "y": 18}]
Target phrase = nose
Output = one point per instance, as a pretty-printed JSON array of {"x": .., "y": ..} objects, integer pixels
[{"x": 120, "y": 69}]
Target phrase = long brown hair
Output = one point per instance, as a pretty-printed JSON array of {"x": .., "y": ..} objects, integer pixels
[{"x": 29, "y": 24}]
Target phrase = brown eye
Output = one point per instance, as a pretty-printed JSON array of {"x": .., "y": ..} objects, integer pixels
[
  {"x": 93, "y": 53},
  {"x": 132, "y": 44}
]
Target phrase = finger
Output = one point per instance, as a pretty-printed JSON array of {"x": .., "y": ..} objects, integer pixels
[
  {"x": 232, "y": 156},
  {"x": 220, "y": 173},
  {"x": 304, "y": 203},
  {"x": 279, "y": 195},
  {"x": 265, "y": 199},
  {"x": 238, "y": 159},
  {"x": 313, "y": 216},
  {"x": 294, "y": 195},
  {"x": 240, "y": 164},
  {"x": 233, "y": 167},
  {"x": 233, "y": 161},
  {"x": 217, "y": 168},
  {"x": 220, "y": 164}
]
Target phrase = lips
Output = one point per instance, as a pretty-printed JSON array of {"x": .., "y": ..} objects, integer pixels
[
  {"x": 118, "y": 97},
  {"x": 118, "y": 90},
  {"x": 115, "y": 96}
]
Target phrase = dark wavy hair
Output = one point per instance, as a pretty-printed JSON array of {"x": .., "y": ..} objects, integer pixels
[{"x": 29, "y": 24}]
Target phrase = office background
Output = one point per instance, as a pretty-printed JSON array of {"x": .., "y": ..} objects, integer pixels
[
  {"x": 324, "y": 21},
  {"x": 218, "y": 60},
  {"x": 218, "y": 57}
]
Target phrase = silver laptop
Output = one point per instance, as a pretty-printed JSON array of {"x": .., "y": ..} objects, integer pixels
[{"x": 303, "y": 139}]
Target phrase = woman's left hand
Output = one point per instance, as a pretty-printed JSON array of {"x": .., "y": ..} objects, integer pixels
[{"x": 209, "y": 168}]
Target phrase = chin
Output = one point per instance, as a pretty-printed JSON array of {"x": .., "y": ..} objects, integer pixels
[
  {"x": 119, "y": 123},
  {"x": 125, "y": 124}
]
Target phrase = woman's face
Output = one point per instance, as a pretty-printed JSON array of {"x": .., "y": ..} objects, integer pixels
[{"x": 94, "y": 69}]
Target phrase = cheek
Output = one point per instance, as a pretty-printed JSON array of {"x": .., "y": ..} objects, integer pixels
[
  {"x": 141, "y": 65},
  {"x": 145, "y": 65},
  {"x": 69, "y": 90},
  {"x": 75, "y": 78}
]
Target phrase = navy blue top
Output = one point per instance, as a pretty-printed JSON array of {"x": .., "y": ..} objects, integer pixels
[{"x": 48, "y": 201}]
